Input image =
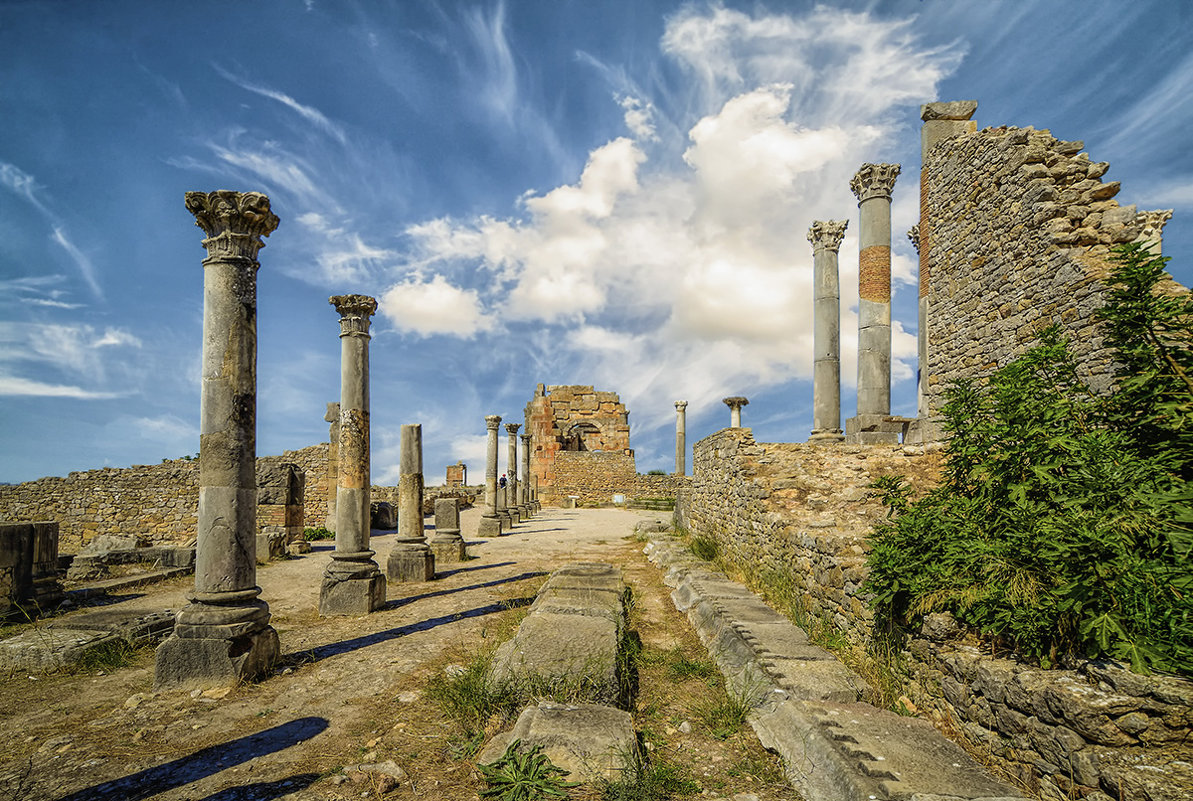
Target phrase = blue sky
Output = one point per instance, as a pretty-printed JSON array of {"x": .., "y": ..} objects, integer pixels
[{"x": 612, "y": 193}]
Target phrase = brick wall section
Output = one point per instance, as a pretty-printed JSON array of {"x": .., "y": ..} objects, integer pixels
[
  {"x": 551, "y": 417},
  {"x": 874, "y": 274},
  {"x": 595, "y": 477},
  {"x": 157, "y": 502},
  {"x": 1017, "y": 227},
  {"x": 804, "y": 511}
]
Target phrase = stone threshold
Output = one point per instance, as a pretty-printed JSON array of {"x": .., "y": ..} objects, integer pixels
[
  {"x": 810, "y": 708},
  {"x": 99, "y": 589}
]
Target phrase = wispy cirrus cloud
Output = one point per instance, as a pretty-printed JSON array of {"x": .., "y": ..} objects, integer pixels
[
  {"x": 11, "y": 385},
  {"x": 308, "y": 113}
]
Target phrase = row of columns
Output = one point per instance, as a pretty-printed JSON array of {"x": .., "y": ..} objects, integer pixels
[
  {"x": 517, "y": 500},
  {"x": 223, "y": 634}
]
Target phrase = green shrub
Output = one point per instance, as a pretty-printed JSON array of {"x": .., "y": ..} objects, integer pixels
[
  {"x": 319, "y": 533},
  {"x": 705, "y": 548},
  {"x": 1064, "y": 521}
]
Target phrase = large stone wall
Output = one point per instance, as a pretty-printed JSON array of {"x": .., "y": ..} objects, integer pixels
[
  {"x": 803, "y": 512},
  {"x": 593, "y": 478},
  {"x": 1015, "y": 232},
  {"x": 156, "y": 502},
  {"x": 573, "y": 418}
]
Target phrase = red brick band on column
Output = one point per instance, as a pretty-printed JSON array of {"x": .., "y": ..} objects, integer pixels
[
  {"x": 874, "y": 274},
  {"x": 925, "y": 232}
]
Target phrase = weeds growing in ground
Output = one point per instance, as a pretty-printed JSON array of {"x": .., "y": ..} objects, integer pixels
[
  {"x": 680, "y": 666},
  {"x": 646, "y": 779},
  {"x": 107, "y": 656},
  {"x": 523, "y": 776},
  {"x": 704, "y": 548},
  {"x": 467, "y": 697}
]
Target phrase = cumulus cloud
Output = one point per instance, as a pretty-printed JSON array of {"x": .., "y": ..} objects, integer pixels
[
  {"x": 435, "y": 307},
  {"x": 687, "y": 271}
]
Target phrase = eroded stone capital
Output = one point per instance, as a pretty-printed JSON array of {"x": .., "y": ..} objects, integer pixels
[
  {"x": 525, "y": 439},
  {"x": 736, "y": 402},
  {"x": 512, "y": 428},
  {"x": 233, "y": 221},
  {"x": 492, "y": 421},
  {"x": 913, "y": 233},
  {"x": 1152, "y": 222},
  {"x": 355, "y": 311},
  {"x": 952, "y": 110},
  {"x": 874, "y": 180},
  {"x": 681, "y": 405},
  {"x": 827, "y": 234}
]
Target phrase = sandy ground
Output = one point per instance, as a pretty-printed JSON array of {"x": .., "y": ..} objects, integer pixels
[{"x": 348, "y": 690}]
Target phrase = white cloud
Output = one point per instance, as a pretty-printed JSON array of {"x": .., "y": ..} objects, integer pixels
[
  {"x": 639, "y": 118},
  {"x": 435, "y": 307},
  {"x": 309, "y": 113},
  {"x": 472, "y": 450},
  {"x": 14, "y": 385}
]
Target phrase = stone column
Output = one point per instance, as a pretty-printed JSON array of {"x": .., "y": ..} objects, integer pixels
[
  {"x": 353, "y": 583},
  {"x": 490, "y": 523},
  {"x": 411, "y": 558},
  {"x": 524, "y": 499},
  {"x": 941, "y": 121},
  {"x": 503, "y": 508},
  {"x": 511, "y": 490},
  {"x": 333, "y": 462},
  {"x": 222, "y": 636},
  {"x": 826, "y": 237},
  {"x": 534, "y": 493},
  {"x": 681, "y": 442},
  {"x": 447, "y": 544},
  {"x": 872, "y": 186},
  {"x": 735, "y": 403}
]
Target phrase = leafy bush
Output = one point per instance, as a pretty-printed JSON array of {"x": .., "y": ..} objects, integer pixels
[
  {"x": 319, "y": 533},
  {"x": 1064, "y": 521}
]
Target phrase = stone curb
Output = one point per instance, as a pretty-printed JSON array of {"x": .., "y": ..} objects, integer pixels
[
  {"x": 807, "y": 706},
  {"x": 101, "y": 588}
]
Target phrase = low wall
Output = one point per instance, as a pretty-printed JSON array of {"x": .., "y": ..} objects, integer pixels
[
  {"x": 156, "y": 502},
  {"x": 804, "y": 512},
  {"x": 594, "y": 477}
]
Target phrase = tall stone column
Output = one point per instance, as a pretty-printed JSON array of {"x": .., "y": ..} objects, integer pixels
[
  {"x": 681, "y": 442},
  {"x": 490, "y": 523},
  {"x": 333, "y": 462},
  {"x": 872, "y": 186},
  {"x": 524, "y": 499},
  {"x": 534, "y": 493},
  {"x": 826, "y": 237},
  {"x": 511, "y": 489},
  {"x": 447, "y": 544},
  {"x": 223, "y": 635},
  {"x": 353, "y": 583},
  {"x": 941, "y": 121},
  {"x": 411, "y": 558},
  {"x": 735, "y": 403}
]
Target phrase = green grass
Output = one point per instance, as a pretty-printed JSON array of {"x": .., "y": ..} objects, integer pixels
[
  {"x": 107, "y": 656},
  {"x": 649, "y": 780},
  {"x": 704, "y": 548},
  {"x": 680, "y": 666}
]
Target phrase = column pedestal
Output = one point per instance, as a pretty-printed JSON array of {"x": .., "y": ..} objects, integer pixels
[{"x": 447, "y": 544}]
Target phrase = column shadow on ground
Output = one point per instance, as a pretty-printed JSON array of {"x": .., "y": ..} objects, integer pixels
[
  {"x": 203, "y": 763},
  {"x": 442, "y": 574},
  {"x": 265, "y": 791},
  {"x": 356, "y": 643},
  {"x": 400, "y": 602}
]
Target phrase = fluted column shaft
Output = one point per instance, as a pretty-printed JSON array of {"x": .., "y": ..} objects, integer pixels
[
  {"x": 826, "y": 237},
  {"x": 872, "y": 186}
]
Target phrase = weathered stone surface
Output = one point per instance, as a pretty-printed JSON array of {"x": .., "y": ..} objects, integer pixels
[
  {"x": 590, "y": 741},
  {"x": 571, "y": 637},
  {"x": 207, "y": 662},
  {"x": 352, "y": 595},
  {"x": 383, "y": 516}
]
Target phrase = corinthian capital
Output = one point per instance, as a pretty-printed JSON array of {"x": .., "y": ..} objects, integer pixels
[
  {"x": 492, "y": 421},
  {"x": 355, "y": 311},
  {"x": 512, "y": 428},
  {"x": 233, "y": 221},
  {"x": 827, "y": 234},
  {"x": 874, "y": 180},
  {"x": 681, "y": 405}
]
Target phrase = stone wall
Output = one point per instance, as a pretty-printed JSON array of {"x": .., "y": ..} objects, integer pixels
[
  {"x": 573, "y": 419},
  {"x": 1015, "y": 232},
  {"x": 593, "y": 478},
  {"x": 803, "y": 512},
  {"x": 156, "y": 502}
]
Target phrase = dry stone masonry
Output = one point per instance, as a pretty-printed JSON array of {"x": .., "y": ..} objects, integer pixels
[
  {"x": 28, "y": 570},
  {"x": 223, "y": 635}
]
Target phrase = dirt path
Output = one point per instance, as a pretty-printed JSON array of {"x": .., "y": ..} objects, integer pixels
[{"x": 350, "y": 689}]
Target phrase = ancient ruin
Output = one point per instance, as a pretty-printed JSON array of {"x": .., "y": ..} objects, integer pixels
[
  {"x": 411, "y": 558},
  {"x": 223, "y": 635},
  {"x": 491, "y": 523},
  {"x": 353, "y": 584},
  {"x": 826, "y": 304}
]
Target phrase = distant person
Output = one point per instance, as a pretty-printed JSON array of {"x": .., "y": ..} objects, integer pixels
[{"x": 501, "y": 481}]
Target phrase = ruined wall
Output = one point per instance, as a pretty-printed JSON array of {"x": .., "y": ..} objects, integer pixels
[
  {"x": 804, "y": 512},
  {"x": 157, "y": 502},
  {"x": 1016, "y": 229},
  {"x": 594, "y": 478},
  {"x": 573, "y": 418}
]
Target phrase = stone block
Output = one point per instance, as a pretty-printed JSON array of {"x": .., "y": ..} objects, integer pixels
[
  {"x": 449, "y": 551},
  {"x": 590, "y": 741},
  {"x": 410, "y": 563},
  {"x": 383, "y": 516},
  {"x": 489, "y": 527},
  {"x": 354, "y": 595},
  {"x": 198, "y": 662},
  {"x": 270, "y": 545}
]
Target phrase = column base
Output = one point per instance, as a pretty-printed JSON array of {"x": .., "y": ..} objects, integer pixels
[
  {"x": 489, "y": 527},
  {"x": 209, "y": 662},
  {"x": 507, "y": 522},
  {"x": 874, "y": 429},
  {"x": 449, "y": 549},
  {"x": 352, "y": 588},
  {"x": 826, "y": 436},
  {"x": 410, "y": 561}
]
